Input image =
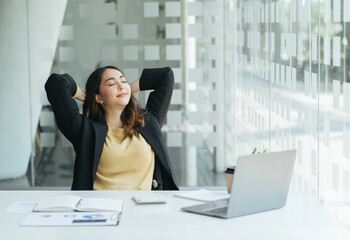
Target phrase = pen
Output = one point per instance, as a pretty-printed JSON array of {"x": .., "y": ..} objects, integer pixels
[
  {"x": 118, "y": 218},
  {"x": 88, "y": 220}
]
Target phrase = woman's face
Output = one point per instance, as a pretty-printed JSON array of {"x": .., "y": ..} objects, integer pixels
[{"x": 114, "y": 90}]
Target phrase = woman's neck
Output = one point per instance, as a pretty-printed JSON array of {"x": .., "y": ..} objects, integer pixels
[{"x": 113, "y": 118}]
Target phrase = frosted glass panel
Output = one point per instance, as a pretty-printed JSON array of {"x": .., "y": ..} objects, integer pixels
[
  {"x": 152, "y": 52},
  {"x": 314, "y": 47},
  {"x": 195, "y": 8},
  {"x": 173, "y": 30},
  {"x": 173, "y": 52},
  {"x": 130, "y": 31},
  {"x": 327, "y": 11},
  {"x": 174, "y": 139},
  {"x": 108, "y": 32},
  {"x": 336, "y": 51},
  {"x": 336, "y": 10},
  {"x": 109, "y": 53},
  {"x": 177, "y": 97},
  {"x": 131, "y": 74},
  {"x": 172, "y": 9},
  {"x": 336, "y": 93},
  {"x": 130, "y": 53},
  {"x": 151, "y": 9},
  {"x": 327, "y": 49},
  {"x": 174, "y": 118},
  {"x": 177, "y": 75},
  {"x": 346, "y": 9}
]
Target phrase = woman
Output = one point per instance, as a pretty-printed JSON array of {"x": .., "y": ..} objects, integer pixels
[{"x": 118, "y": 145}]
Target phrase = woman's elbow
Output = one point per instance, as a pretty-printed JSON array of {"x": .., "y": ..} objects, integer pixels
[
  {"x": 170, "y": 75},
  {"x": 50, "y": 82}
]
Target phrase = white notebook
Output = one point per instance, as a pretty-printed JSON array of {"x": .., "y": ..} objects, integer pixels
[
  {"x": 70, "y": 203},
  {"x": 203, "y": 195}
]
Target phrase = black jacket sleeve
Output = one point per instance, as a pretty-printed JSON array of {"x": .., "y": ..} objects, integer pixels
[
  {"x": 161, "y": 80},
  {"x": 60, "y": 89}
]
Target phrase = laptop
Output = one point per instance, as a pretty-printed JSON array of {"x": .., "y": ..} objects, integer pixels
[{"x": 260, "y": 183}]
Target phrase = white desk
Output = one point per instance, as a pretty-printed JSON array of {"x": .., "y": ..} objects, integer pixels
[{"x": 302, "y": 218}]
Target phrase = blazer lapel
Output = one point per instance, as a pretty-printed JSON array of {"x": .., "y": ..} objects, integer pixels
[
  {"x": 101, "y": 130},
  {"x": 153, "y": 137}
]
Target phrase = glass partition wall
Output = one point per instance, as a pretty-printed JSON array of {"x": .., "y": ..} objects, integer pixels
[
  {"x": 264, "y": 74},
  {"x": 78, "y": 36},
  {"x": 155, "y": 34},
  {"x": 291, "y": 87}
]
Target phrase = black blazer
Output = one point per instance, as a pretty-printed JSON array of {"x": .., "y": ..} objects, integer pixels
[{"x": 88, "y": 136}]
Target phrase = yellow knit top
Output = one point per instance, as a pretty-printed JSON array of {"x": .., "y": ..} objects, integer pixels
[{"x": 125, "y": 164}]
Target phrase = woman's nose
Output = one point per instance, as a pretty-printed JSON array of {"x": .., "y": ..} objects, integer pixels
[{"x": 120, "y": 86}]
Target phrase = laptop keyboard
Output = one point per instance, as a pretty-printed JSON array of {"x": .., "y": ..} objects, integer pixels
[{"x": 220, "y": 210}]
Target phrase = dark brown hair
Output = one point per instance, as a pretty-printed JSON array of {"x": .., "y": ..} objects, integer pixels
[{"x": 132, "y": 116}]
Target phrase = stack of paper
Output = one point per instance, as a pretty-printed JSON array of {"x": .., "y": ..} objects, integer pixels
[
  {"x": 72, "y": 219},
  {"x": 73, "y": 210},
  {"x": 203, "y": 195}
]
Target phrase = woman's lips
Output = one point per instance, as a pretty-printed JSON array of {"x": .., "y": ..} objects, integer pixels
[{"x": 122, "y": 95}]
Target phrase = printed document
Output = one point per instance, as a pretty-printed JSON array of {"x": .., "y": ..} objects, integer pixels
[{"x": 72, "y": 219}]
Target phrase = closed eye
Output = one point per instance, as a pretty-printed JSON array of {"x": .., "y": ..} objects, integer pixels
[{"x": 123, "y": 79}]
